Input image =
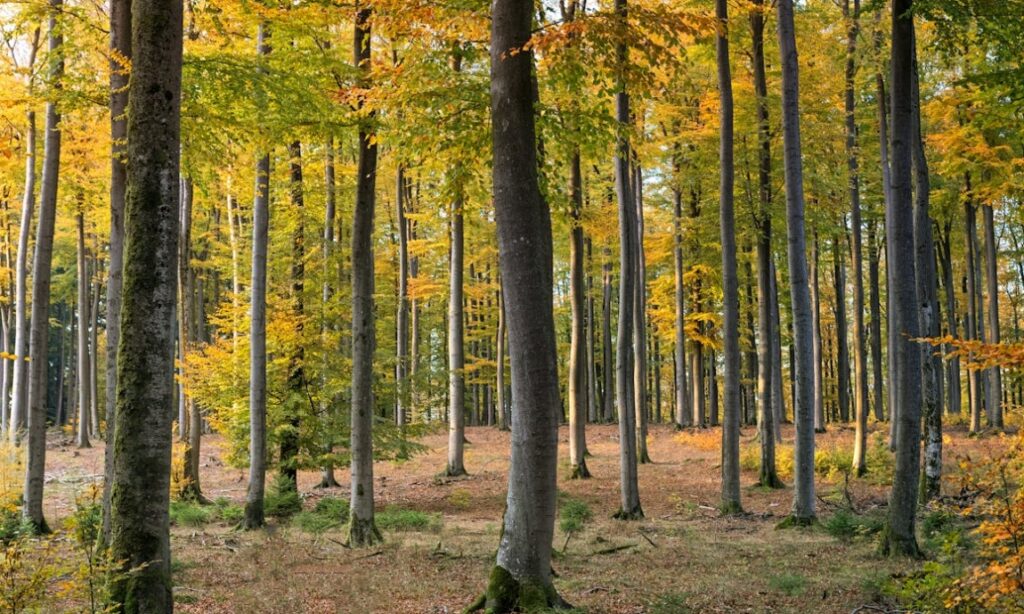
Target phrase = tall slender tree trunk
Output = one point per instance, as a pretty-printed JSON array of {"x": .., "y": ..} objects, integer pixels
[
  {"x": 607, "y": 366},
  {"x": 953, "y": 371},
  {"x": 682, "y": 412},
  {"x": 504, "y": 421},
  {"x": 521, "y": 579},
  {"x": 860, "y": 372},
  {"x": 19, "y": 402},
  {"x": 38, "y": 346},
  {"x": 289, "y": 445},
  {"x": 927, "y": 298},
  {"x": 456, "y": 347},
  {"x": 995, "y": 378},
  {"x": 899, "y": 536},
  {"x": 778, "y": 400},
  {"x": 804, "y": 500},
  {"x": 640, "y": 391},
  {"x": 140, "y": 536},
  {"x": 876, "y": 321},
  {"x": 624, "y": 368},
  {"x": 730, "y": 503},
  {"x": 842, "y": 344},
  {"x": 592, "y": 392},
  {"x": 972, "y": 332},
  {"x": 254, "y": 517},
  {"x": 83, "y": 338},
  {"x": 819, "y": 383},
  {"x": 362, "y": 530},
  {"x": 402, "y": 319},
  {"x": 577, "y": 351},
  {"x": 328, "y": 405},
  {"x": 191, "y": 488}
]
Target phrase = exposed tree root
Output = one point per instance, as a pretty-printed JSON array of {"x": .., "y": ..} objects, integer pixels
[{"x": 505, "y": 594}]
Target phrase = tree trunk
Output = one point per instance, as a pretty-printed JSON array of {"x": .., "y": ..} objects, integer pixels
[
  {"x": 19, "y": 401},
  {"x": 328, "y": 405},
  {"x": 504, "y": 422},
  {"x": 628, "y": 235},
  {"x": 730, "y": 503},
  {"x": 190, "y": 488},
  {"x": 953, "y": 375},
  {"x": 682, "y": 412},
  {"x": 258, "y": 328},
  {"x": 521, "y": 578},
  {"x": 804, "y": 500},
  {"x": 778, "y": 400},
  {"x": 927, "y": 299},
  {"x": 607, "y": 380},
  {"x": 456, "y": 349},
  {"x": 819, "y": 384},
  {"x": 35, "y": 458},
  {"x": 876, "y": 321},
  {"x": 362, "y": 530},
  {"x": 402, "y": 319},
  {"x": 842, "y": 345},
  {"x": 140, "y": 537},
  {"x": 640, "y": 321},
  {"x": 973, "y": 375},
  {"x": 84, "y": 389},
  {"x": 995, "y": 378},
  {"x": 899, "y": 536},
  {"x": 592, "y": 394},
  {"x": 577, "y": 351},
  {"x": 289, "y": 448}
]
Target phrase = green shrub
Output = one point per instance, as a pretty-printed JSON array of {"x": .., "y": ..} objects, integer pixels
[
  {"x": 573, "y": 514},
  {"x": 189, "y": 514},
  {"x": 398, "y": 519},
  {"x": 332, "y": 507},
  {"x": 282, "y": 499},
  {"x": 846, "y": 525},
  {"x": 228, "y": 511},
  {"x": 328, "y": 513},
  {"x": 791, "y": 584}
]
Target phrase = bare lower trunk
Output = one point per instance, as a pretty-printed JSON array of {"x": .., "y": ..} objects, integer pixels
[
  {"x": 995, "y": 378},
  {"x": 402, "y": 319},
  {"x": 876, "y": 322},
  {"x": 38, "y": 348},
  {"x": 804, "y": 500},
  {"x": 19, "y": 401},
  {"x": 682, "y": 413},
  {"x": 778, "y": 400},
  {"x": 140, "y": 536},
  {"x": 819, "y": 385},
  {"x": 254, "y": 517},
  {"x": 521, "y": 579},
  {"x": 972, "y": 332},
  {"x": 84, "y": 308},
  {"x": 640, "y": 322},
  {"x": 362, "y": 529},
  {"x": 456, "y": 349},
  {"x": 607, "y": 368},
  {"x": 577, "y": 351}
]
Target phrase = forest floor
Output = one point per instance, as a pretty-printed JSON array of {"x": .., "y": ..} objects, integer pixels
[{"x": 684, "y": 557}]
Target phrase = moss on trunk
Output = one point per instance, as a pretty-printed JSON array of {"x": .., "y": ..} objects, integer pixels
[
  {"x": 363, "y": 533},
  {"x": 507, "y": 594}
]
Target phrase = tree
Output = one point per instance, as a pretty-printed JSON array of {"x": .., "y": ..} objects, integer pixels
[
  {"x": 140, "y": 532},
  {"x": 577, "y": 351},
  {"x": 35, "y": 465},
  {"x": 258, "y": 329},
  {"x": 803, "y": 496},
  {"x": 730, "y": 285},
  {"x": 362, "y": 530},
  {"x": 899, "y": 538},
  {"x": 456, "y": 347},
  {"x": 521, "y": 579},
  {"x": 120, "y": 51},
  {"x": 83, "y": 339},
  {"x": 624, "y": 380}
]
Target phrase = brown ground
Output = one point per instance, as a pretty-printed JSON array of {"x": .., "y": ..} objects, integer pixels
[{"x": 682, "y": 558}]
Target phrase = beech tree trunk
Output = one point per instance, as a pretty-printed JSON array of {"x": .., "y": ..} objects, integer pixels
[
  {"x": 577, "y": 350},
  {"x": 289, "y": 445},
  {"x": 730, "y": 503},
  {"x": 624, "y": 366},
  {"x": 972, "y": 332},
  {"x": 842, "y": 345},
  {"x": 995, "y": 378},
  {"x": 819, "y": 384},
  {"x": 640, "y": 391},
  {"x": 804, "y": 500},
  {"x": 456, "y": 347},
  {"x": 362, "y": 530},
  {"x": 682, "y": 413},
  {"x": 140, "y": 536},
  {"x": 607, "y": 366},
  {"x": 876, "y": 321},
  {"x": 328, "y": 405},
  {"x": 402, "y": 318},
  {"x": 258, "y": 329},
  {"x": 84, "y": 371},
  {"x": 521, "y": 579},
  {"x": 38, "y": 345},
  {"x": 899, "y": 536}
]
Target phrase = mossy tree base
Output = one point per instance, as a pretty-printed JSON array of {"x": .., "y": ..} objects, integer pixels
[
  {"x": 770, "y": 479},
  {"x": 506, "y": 594},
  {"x": 39, "y": 527},
  {"x": 363, "y": 533},
  {"x": 645, "y": 458},
  {"x": 580, "y": 471},
  {"x": 797, "y": 522},
  {"x": 730, "y": 508},
  {"x": 636, "y": 513},
  {"x": 895, "y": 546},
  {"x": 454, "y": 472},
  {"x": 254, "y": 518}
]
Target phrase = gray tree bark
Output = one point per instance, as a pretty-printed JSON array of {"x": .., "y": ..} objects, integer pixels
[
  {"x": 362, "y": 530},
  {"x": 730, "y": 503},
  {"x": 84, "y": 424},
  {"x": 899, "y": 535},
  {"x": 289, "y": 438},
  {"x": 607, "y": 368},
  {"x": 577, "y": 350},
  {"x": 818, "y": 379},
  {"x": 972, "y": 330},
  {"x": 804, "y": 500},
  {"x": 640, "y": 320},
  {"x": 402, "y": 318},
  {"x": 456, "y": 347},
  {"x": 38, "y": 345},
  {"x": 876, "y": 321},
  {"x": 254, "y": 517},
  {"x": 521, "y": 579},
  {"x": 682, "y": 412},
  {"x": 327, "y": 478},
  {"x": 995, "y": 377},
  {"x": 140, "y": 536}
]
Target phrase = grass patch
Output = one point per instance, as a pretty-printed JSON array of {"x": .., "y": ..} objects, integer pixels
[
  {"x": 573, "y": 514},
  {"x": 282, "y": 499},
  {"x": 846, "y": 526},
  {"x": 328, "y": 513},
  {"x": 787, "y": 583},
  {"x": 669, "y": 603},
  {"x": 227, "y": 511},
  {"x": 399, "y": 519},
  {"x": 189, "y": 514}
]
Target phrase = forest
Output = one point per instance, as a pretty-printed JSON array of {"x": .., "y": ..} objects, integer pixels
[{"x": 431, "y": 306}]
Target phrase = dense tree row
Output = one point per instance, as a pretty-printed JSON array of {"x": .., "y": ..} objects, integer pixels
[{"x": 328, "y": 263}]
